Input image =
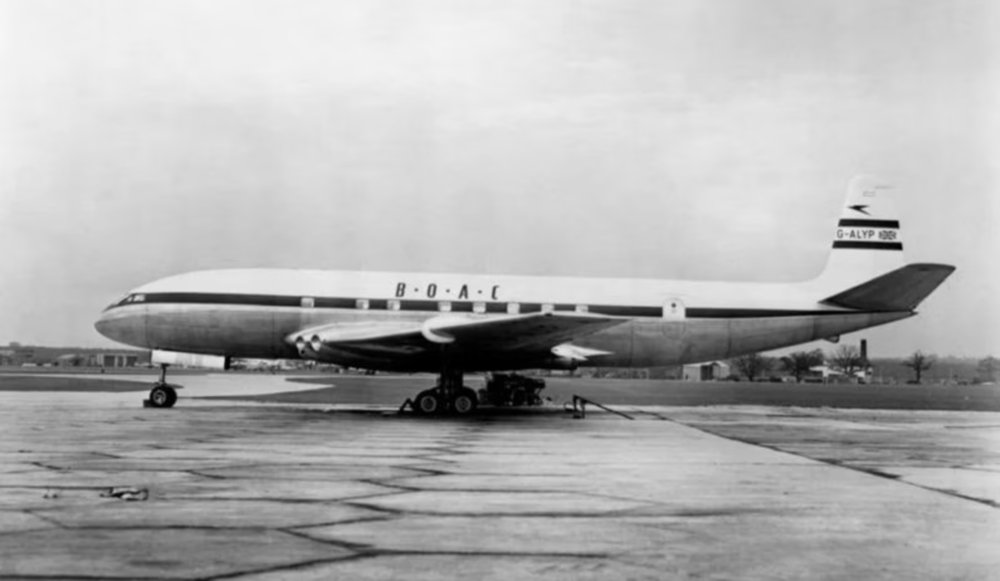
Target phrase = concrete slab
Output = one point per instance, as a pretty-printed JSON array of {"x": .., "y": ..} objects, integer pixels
[
  {"x": 973, "y": 483},
  {"x": 506, "y": 535},
  {"x": 500, "y": 503},
  {"x": 481, "y": 567},
  {"x": 154, "y": 553},
  {"x": 212, "y": 513},
  {"x": 292, "y": 492},
  {"x": 321, "y": 472},
  {"x": 297, "y": 490},
  {"x": 19, "y": 522}
]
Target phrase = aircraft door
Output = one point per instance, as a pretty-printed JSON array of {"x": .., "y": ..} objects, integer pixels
[{"x": 673, "y": 309}]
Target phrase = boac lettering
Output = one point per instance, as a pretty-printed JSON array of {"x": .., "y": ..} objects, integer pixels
[{"x": 402, "y": 289}]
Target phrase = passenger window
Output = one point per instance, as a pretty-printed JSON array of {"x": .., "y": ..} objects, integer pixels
[
  {"x": 513, "y": 308},
  {"x": 582, "y": 308},
  {"x": 548, "y": 308},
  {"x": 308, "y": 302},
  {"x": 444, "y": 306},
  {"x": 393, "y": 305},
  {"x": 139, "y": 298},
  {"x": 361, "y": 303},
  {"x": 479, "y": 308}
]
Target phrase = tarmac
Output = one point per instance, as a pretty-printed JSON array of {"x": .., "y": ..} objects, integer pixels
[{"x": 92, "y": 485}]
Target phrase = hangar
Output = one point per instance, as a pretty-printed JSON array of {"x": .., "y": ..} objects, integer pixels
[
  {"x": 711, "y": 371},
  {"x": 113, "y": 360}
]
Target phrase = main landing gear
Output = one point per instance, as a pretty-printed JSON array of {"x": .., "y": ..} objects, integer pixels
[
  {"x": 449, "y": 397},
  {"x": 163, "y": 395}
]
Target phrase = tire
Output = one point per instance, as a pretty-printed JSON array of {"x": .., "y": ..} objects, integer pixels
[
  {"x": 465, "y": 402},
  {"x": 427, "y": 403},
  {"x": 162, "y": 396}
]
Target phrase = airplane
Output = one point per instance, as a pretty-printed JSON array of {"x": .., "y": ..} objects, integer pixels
[{"x": 453, "y": 324}]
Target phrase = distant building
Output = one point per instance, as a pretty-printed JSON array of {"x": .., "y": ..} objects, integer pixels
[
  {"x": 827, "y": 374},
  {"x": 711, "y": 371},
  {"x": 70, "y": 360},
  {"x": 7, "y": 356},
  {"x": 113, "y": 360}
]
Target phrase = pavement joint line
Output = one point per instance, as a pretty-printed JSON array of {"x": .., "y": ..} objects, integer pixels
[
  {"x": 208, "y": 476},
  {"x": 408, "y": 489},
  {"x": 21, "y": 532},
  {"x": 388, "y": 484},
  {"x": 429, "y": 471},
  {"x": 52, "y": 521},
  {"x": 841, "y": 464},
  {"x": 287, "y": 567},
  {"x": 976, "y": 469},
  {"x": 84, "y": 578},
  {"x": 53, "y": 487},
  {"x": 45, "y": 466},
  {"x": 270, "y": 499},
  {"x": 485, "y": 515},
  {"x": 295, "y": 529},
  {"x": 356, "y": 548},
  {"x": 178, "y": 527}
]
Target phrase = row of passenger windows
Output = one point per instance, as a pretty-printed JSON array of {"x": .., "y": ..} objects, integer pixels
[{"x": 443, "y": 306}]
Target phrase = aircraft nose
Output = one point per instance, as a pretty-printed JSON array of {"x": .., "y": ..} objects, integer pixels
[
  {"x": 104, "y": 326},
  {"x": 123, "y": 325}
]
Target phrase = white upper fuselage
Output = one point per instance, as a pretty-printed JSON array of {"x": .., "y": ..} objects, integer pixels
[{"x": 493, "y": 289}]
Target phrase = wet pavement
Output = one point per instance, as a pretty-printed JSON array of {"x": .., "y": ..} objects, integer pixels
[{"x": 300, "y": 491}]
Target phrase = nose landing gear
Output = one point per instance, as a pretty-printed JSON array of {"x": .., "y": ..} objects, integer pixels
[{"x": 163, "y": 395}]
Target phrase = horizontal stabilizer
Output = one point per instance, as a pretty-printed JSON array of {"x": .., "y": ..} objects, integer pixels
[{"x": 900, "y": 290}]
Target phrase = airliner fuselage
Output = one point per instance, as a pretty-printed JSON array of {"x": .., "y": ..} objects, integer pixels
[{"x": 253, "y": 313}]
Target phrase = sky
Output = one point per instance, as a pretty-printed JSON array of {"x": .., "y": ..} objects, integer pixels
[{"x": 695, "y": 139}]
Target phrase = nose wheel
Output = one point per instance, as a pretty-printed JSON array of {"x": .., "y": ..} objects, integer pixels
[{"x": 162, "y": 396}]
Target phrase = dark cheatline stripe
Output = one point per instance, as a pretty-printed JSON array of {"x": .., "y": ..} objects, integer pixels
[
  {"x": 870, "y": 223},
  {"x": 624, "y": 311},
  {"x": 711, "y": 313},
  {"x": 868, "y": 245},
  {"x": 496, "y": 307}
]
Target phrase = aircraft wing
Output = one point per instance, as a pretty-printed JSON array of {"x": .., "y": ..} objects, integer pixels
[{"x": 527, "y": 335}]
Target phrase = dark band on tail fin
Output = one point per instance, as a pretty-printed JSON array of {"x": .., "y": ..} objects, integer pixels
[{"x": 900, "y": 290}]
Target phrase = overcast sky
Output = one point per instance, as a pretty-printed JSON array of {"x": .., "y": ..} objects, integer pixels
[{"x": 703, "y": 139}]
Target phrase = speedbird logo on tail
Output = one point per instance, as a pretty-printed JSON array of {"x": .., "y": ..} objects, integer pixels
[{"x": 860, "y": 208}]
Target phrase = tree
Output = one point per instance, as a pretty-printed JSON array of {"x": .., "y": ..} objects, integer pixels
[
  {"x": 752, "y": 365},
  {"x": 800, "y": 362},
  {"x": 919, "y": 363},
  {"x": 988, "y": 368},
  {"x": 847, "y": 359}
]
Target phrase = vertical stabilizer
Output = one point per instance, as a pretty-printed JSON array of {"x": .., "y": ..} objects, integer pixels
[{"x": 867, "y": 241}]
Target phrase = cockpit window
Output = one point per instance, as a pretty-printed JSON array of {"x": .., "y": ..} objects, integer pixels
[{"x": 127, "y": 299}]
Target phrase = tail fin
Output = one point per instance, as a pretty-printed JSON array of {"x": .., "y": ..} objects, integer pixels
[
  {"x": 867, "y": 242},
  {"x": 899, "y": 290}
]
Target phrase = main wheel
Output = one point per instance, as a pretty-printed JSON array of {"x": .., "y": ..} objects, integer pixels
[
  {"x": 465, "y": 402},
  {"x": 427, "y": 402},
  {"x": 162, "y": 396}
]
